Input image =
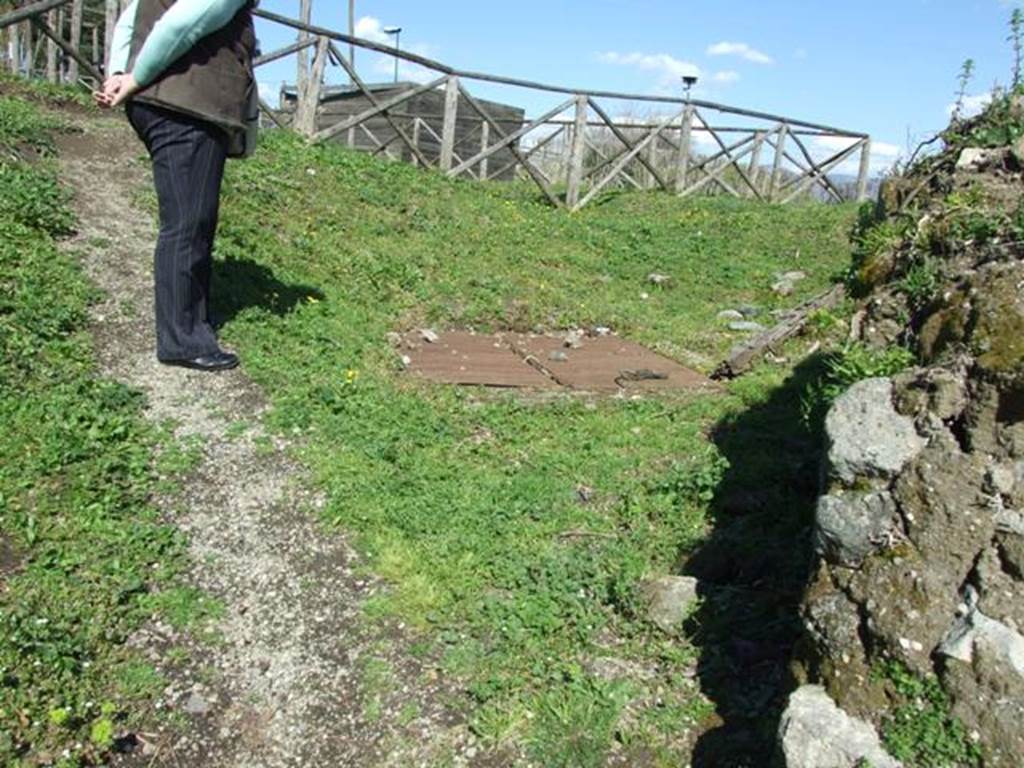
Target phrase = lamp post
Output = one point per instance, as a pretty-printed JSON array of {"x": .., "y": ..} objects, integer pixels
[
  {"x": 397, "y": 32},
  {"x": 352, "y": 33},
  {"x": 688, "y": 82}
]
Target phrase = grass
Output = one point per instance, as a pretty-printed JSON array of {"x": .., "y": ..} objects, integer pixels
[
  {"x": 86, "y": 558},
  {"x": 920, "y": 730},
  {"x": 461, "y": 497}
]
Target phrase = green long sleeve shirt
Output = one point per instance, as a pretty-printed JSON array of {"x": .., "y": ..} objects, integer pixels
[{"x": 181, "y": 27}]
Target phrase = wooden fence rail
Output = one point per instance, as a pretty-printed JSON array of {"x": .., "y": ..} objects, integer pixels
[{"x": 573, "y": 152}]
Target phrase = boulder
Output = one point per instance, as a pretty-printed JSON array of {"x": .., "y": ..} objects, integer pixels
[
  {"x": 849, "y": 526},
  {"x": 815, "y": 733},
  {"x": 866, "y": 436},
  {"x": 668, "y": 600},
  {"x": 984, "y": 674}
]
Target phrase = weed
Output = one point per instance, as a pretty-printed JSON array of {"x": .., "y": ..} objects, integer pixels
[
  {"x": 470, "y": 535},
  {"x": 920, "y": 729},
  {"x": 854, "y": 362},
  {"x": 963, "y": 81},
  {"x": 921, "y": 281},
  {"x": 75, "y": 475}
]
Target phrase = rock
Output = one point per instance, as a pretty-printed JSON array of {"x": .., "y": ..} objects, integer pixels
[
  {"x": 783, "y": 287},
  {"x": 573, "y": 339},
  {"x": 394, "y": 339},
  {"x": 866, "y": 436},
  {"x": 977, "y": 159},
  {"x": 985, "y": 674},
  {"x": 196, "y": 705},
  {"x": 602, "y": 330},
  {"x": 558, "y": 356},
  {"x": 406, "y": 361},
  {"x": 850, "y": 526},
  {"x": 659, "y": 279},
  {"x": 1001, "y": 594},
  {"x": 730, "y": 314},
  {"x": 1017, "y": 150},
  {"x": 750, "y": 310},
  {"x": 1011, "y": 553},
  {"x": 748, "y": 326},
  {"x": 793, "y": 277},
  {"x": 668, "y": 600},
  {"x": 429, "y": 336},
  {"x": 815, "y": 733}
]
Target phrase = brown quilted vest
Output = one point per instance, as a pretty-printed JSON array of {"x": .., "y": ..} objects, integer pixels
[{"x": 213, "y": 80}]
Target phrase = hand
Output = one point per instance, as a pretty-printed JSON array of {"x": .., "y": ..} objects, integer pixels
[{"x": 116, "y": 89}]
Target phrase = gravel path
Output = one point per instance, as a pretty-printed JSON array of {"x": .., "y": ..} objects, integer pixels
[{"x": 294, "y": 677}]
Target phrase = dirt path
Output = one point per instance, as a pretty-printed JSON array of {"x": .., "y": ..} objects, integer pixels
[{"x": 295, "y": 677}]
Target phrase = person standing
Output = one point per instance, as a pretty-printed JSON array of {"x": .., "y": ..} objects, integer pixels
[{"x": 183, "y": 69}]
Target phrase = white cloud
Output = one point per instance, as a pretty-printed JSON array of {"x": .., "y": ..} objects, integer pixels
[
  {"x": 668, "y": 66},
  {"x": 269, "y": 92},
  {"x": 370, "y": 28},
  {"x": 972, "y": 105},
  {"x": 742, "y": 50},
  {"x": 407, "y": 71},
  {"x": 726, "y": 76}
]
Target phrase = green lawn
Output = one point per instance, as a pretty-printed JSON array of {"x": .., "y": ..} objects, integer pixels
[
  {"x": 466, "y": 499},
  {"x": 84, "y": 558}
]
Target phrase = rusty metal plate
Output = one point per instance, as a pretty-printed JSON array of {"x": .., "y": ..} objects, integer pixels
[
  {"x": 608, "y": 363},
  {"x": 459, "y": 357}
]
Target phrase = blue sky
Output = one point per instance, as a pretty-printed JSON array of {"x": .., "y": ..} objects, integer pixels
[{"x": 885, "y": 68}]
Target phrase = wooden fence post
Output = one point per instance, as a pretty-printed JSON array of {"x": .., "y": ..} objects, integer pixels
[
  {"x": 302, "y": 58},
  {"x": 309, "y": 97},
  {"x": 576, "y": 152},
  {"x": 683, "y": 158},
  {"x": 780, "y": 149},
  {"x": 451, "y": 110},
  {"x": 110, "y": 13},
  {"x": 75, "y": 38},
  {"x": 51, "y": 49},
  {"x": 13, "y": 47},
  {"x": 485, "y": 134},
  {"x": 754, "y": 169},
  {"x": 865, "y": 169},
  {"x": 415, "y": 138}
]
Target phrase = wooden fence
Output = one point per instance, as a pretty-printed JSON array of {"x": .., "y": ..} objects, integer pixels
[{"x": 686, "y": 147}]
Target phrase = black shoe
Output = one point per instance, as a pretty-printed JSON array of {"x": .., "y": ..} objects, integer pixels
[{"x": 215, "y": 361}]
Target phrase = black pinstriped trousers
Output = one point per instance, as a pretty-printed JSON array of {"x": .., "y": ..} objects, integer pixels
[{"x": 188, "y": 164}]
